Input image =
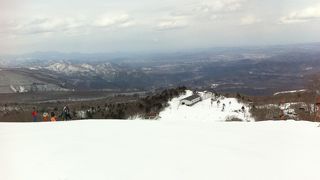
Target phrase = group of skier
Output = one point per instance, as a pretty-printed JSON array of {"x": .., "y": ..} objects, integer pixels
[
  {"x": 65, "y": 115},
  {"x": 224, "y": 105},
  {"x": 218, "y": 103}
]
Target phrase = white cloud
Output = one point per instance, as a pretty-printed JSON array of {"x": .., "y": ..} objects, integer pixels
[
  {"x": 5, "y": 26},
  {"x": 47, "y": 25},
  {"x": 220, "y": 6},
  {"x": 190, "y": 13},
  {"x": 304, "y": 15},
  {"x": 69, "y": 25},
  {"x": 119, "y": 20},
  {"x": 127, "y": 24},
  {"x": 209, "y": 10},
  {"x": 172, "y": 23},
  {"x": 248, "y": 20}
]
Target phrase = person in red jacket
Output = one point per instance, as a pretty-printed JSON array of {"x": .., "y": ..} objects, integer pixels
[
  {"x": 53, "y": 117},
  {"x": 34, "y": 114}
]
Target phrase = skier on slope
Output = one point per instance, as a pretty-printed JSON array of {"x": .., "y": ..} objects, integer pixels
[
  {"x": 53, "y": 117},
  {"x": 243, "y": 109},
  {"x": 223, "y": 106},
  {"x": 66, "y": 113},
  {"x": 45, "y": 116},
  {"x": 34, "y": 114}
]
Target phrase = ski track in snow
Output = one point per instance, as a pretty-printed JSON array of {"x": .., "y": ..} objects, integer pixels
[{"x": 173, "y": 148}]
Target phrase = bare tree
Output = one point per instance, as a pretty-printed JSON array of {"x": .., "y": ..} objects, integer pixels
[{"x": 314, "y": 88}]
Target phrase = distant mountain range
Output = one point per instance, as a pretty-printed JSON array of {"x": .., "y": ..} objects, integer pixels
[
  {"x": 104, "y": 69},
  {"x": 251, "y": 70}
]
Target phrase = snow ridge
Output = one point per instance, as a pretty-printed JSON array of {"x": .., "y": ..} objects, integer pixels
[{"x": 72, "y": 69}]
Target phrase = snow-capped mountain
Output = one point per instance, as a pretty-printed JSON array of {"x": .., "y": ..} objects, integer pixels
[{"x": 82, "y": 69}]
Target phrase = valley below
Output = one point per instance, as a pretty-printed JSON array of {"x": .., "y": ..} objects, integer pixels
[
  {"x": 94, "y": 82},
  {"x": 251, "y": 71}
]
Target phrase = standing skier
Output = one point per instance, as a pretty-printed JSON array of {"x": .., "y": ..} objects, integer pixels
[
  {"x": 45, "y": 116},
  {"x": 34, "y": 114},
  {"x": 243, "y": 109},
  {"x": 66, "y": 113},
  {"x": 223, "y": 106},
  {"x": 53, "y": 117}
]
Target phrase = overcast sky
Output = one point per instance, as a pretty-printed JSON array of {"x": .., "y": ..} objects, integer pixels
[{"x": 153, "y": 25}]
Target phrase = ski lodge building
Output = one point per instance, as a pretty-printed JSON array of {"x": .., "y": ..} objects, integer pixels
[{"x": 191, "y": 100}]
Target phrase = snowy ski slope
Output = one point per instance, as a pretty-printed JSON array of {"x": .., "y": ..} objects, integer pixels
[{"x": 187, "y": 143}]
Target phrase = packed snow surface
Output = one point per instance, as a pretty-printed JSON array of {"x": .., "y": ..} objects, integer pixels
[
  {"x": 139, "y": 150},
  {"x": 172, "y": 148}
]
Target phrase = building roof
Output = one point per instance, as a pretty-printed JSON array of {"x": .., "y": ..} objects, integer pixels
[{"x": 190, "y": 98}]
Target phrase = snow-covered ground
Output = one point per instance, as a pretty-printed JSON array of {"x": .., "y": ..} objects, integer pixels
[
  {"x": 289, "y": 92},
  {"x": 138, "y": 150},
  {"x": 205, "y": 110},
  {"x": 172, "y": 148}
]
